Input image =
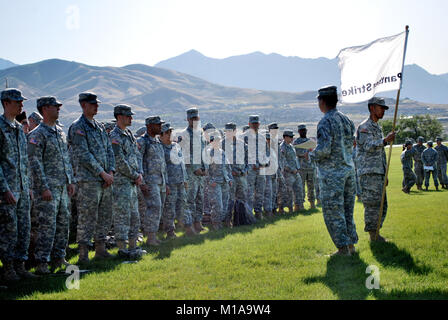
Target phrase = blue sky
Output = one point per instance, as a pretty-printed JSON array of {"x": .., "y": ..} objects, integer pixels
[{"x": 117, "y": 33}]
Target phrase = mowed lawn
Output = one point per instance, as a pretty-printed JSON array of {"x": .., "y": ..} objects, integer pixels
[{"x": 281, "y": 258}]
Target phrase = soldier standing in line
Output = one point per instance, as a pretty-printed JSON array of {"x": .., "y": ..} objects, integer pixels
[
  {"x": 409, "y": 177},
  {"x": 306, "y": 167},
  {"x": 418, "y": 164},
  {"x": 127, "y": 179},
  {"x": 278, "y": 182},
  {"x": 442, "y": 150},
  {"x": 154, "y": 187},
  {"x": 15, "y": 222},
  {"x": 291, "y": 168},
  {"x": 269, "y": 188},
  {"x": 95, "y": 168},
  {"x": 256, "y": 143},
  {"x": 371, "y": 159},
  {"x": 52, "y": 186},
  {"x": 429, "y": 159},
  {"x": 34, "y": 119},
  {"x": 207, "y": 129},
  {"x": 333, "y": 158},
  {"x": 176, "y": 200},
  {"x": 193, "y": 144},
  {"x": 141, "y": 199}
]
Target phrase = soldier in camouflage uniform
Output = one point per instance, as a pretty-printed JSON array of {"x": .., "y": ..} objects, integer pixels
[
  {"x": 268, "y": 205},
  {"x": 207, "y": 129},
  {"x": 278, "y": 181},
  {"x": 193, "y": 144},
  {"x": 154, "y": 187},
  {"x": 34, "y": 119},
  {"x": 219, "y": 181},
  {"x": 236, "y": 153},
  {"x": 176, "y": 200},
  {"x": 14, "y": 189},
  {"x": 418, "y": 164},
  {"x": 95, "y": 168},
  {"x": 256, "y": 182},
  {"x": 409, "y": 177},
  {"x": 291, "y": 168},
  {"x": 442, "y": 150},
  {"x": 429, "y": 159},
  {"x": 371, "y": 159},
  {"x": 141, "y": 199},
  {"x": 52, "y": 186},
  {"x": 128, "y": 177},
  {"x": 333, "y": 158},
  {"x": 306, "y": 170}
]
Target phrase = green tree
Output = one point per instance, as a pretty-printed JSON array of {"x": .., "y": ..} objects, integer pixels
[{"x": 426, "y": 126}]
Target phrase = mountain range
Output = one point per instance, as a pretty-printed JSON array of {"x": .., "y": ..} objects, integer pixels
[
  {"x": 294, "y": 74},
  {"x": 5, "y": 64}
]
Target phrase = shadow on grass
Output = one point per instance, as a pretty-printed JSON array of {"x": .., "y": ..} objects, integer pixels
[
  {"x": 346, "y": 277},
  {"x": 389, "y": 255}
]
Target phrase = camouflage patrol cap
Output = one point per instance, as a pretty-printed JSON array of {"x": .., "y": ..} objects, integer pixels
[
  {"x": 123, "y": 109},
  {"x": 48, "y": 101},
  {"x": 208, "y": 126},
  {"x": 301, "y": 126},
  {"x": 36, "y": 117},
  {"x": 254, "y": 119},
  {"x": 420, "y": 139},
  {"x": 154, "y": 120},
  {"x": 110, "y": 125},
  {"x": 166, "y": 126},
  {"x": 327, "y": 91},
  {"x": 288, "y": 133},
  {"x": 379, "y": 102},
  {"x": 12, "y": 94},
  {"x": 430, "y": 143},
  {"x": 273, "y": 126},
  {"x": 141, "y": 131},
  {"x": 230, "y": 126},
  {"x": 438, "y": 139},
  {"x": 192, "y": 113},
  {"x": 408, "y": 143},
  {"x": 88, "y": 97}
]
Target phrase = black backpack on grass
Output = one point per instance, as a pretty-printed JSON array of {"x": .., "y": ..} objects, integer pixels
[{"x": 241, "y": 214}]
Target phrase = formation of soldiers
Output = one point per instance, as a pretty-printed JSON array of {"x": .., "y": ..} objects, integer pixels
[{"x": 162, "y": 179}]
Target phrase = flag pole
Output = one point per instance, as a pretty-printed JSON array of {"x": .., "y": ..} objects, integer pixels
[{"x": 392, "y": 142}]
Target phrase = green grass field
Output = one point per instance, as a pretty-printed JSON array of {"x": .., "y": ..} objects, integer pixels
[{"x": 282, "y": 258}]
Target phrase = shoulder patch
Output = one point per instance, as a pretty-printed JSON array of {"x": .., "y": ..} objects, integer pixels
[
  {"x": 33, "y": 141},
  {"x": 115, "y": 141},
  {"x": 363, "y": 130},
  {"x": 80, "y": 132}
]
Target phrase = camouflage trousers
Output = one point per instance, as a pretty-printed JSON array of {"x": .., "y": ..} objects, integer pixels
[
  {"x": 219, "y": 199},
  {"x": 126, "y": 215},
  {"x": 256, "y": 183},
  {"x": 238, "y": 191},
  {"x": 419, "y": 172},
  {"x": 337, "y": 192},
  {"x": 275, "y": 184},
  {"x": 175, "y": 203},
  {"x": 15, "y": 226},
  {"x": 141, "y": 207},
  {"x": 269, "y": 193},
  {"x": 94, "y": 211},
  {"x": 307, "y": 177},
  {"x": 195, "y": 196},
  {"x": 206, "y": 201},
  {"x": 53, "y": 220},
  {"x": 294, "y": 191},
  {"x": 154, "y": 204},
  {"x": 358, "y": 186},
  {"x": 428, "y": 174},
  {"x": 316, "y": 184},
  {"x": 409, "y": 178},
  {"x": 371, "y": 193},
  {"x": 441, "y": 173}
]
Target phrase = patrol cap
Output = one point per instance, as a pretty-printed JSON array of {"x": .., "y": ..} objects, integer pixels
[
  {"x": 215, "y": 135},
  {"x": 154, "y": 120},
  {"x": 35, "y": 116},
  {"x": 48, "y": 101},
  {"x": 327, "y": 91},
  {"x": 439, "y": 139},
  {"x": 230, "y": 126},
  {"x": 109, "y": 125},
  {"x": 245, "y": 128},
  {"x": 273, "y": 126},
  {"x": 408, "y": 143},
  {"x": 141, "y": 131},
  {"x": 430, "y": 143},
  {"x": 88, "y": 97},
  {"x": 192, "y": 113},
  {"x": 123, "y": 109},
  {"x": 12, "y": 94},
  {"x": 420, "y": 139},
  {"x": 378, "y": 101},
  {"x": 166, "y": 126},
  {"x": 288, "y": 133},
  {"x": 301, "y": 126},
  {"x": 208, "y": 126},
  {"x": 254, "y": 119}
]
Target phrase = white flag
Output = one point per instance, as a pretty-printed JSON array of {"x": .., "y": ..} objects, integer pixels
[{"x": 372, "y": 68}]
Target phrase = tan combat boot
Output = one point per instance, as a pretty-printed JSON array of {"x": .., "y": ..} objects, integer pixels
[
  {"x": 42, "y": 268},
  {"x": 9, "y": 274},
  {"x": 19, "y": 266},
  {"x": 216, "y": 225},
  {"x": 198, "y": 227},
  {"x": 100, "y": 250},
  {"x": 152, "y": 239},
  {"x": 83, "y": 253},
  {"x": 228, "y": 223},
  {"x": 373, "y": 237},
  {"x": 122, "y": 252},
  {"x": 189, "y": 231},
  {"x": 344, "y": 251}
]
